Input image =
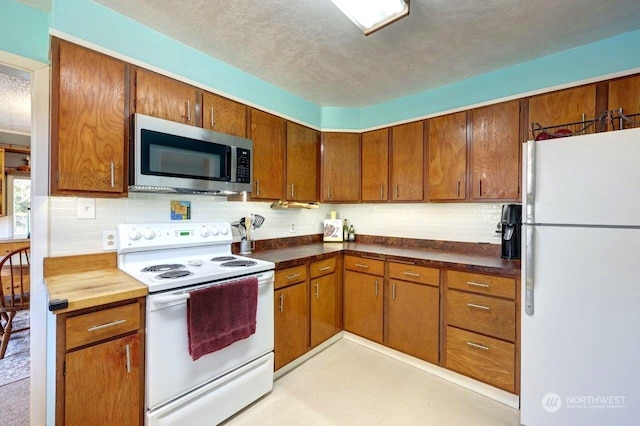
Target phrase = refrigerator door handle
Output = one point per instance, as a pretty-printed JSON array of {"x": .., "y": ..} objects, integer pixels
[
  {"x": 530, "y": 181},
  {"x": 529, "y": 268}
]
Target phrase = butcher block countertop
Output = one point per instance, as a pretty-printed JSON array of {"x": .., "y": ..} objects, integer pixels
[{"x": 85, "y": 281}]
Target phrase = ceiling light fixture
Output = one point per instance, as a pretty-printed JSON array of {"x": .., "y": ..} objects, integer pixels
[{"x": 372, "y": 15}]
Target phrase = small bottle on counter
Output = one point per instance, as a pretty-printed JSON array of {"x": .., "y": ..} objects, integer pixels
[
  {"x": 352, "y": 233},
  {"x": 345, "y": 231}
]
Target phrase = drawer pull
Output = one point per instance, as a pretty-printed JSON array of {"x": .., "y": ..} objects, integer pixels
[
  {"x": 325, "y": 268},
  {"x": 412, "y": 274},
  {"x": 473, "y": 305},
  {"x": 360, "y": 265},
  {"x": 478, "y": 284},
  {"x": 476, "y": 345},
  {"x": 290, "y": 277},
  {"x": 110, "y": 324},
  {"x": 317, "y": 290},
  {"x": 128, "y": 354}
]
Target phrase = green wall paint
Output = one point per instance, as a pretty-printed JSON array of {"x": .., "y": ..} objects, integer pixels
[{"x": 24, "y": 31}]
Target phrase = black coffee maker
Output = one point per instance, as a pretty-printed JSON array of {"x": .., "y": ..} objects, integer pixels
[{"x": 511, "y": 225}]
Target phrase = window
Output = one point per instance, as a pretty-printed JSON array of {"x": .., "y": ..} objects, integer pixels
[{"x": 19, "y": 203}]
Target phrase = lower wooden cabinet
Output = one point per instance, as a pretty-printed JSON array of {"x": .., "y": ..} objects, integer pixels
[
  {"x": 291, "y": 323},
  {"x": 363, "y": 298},
  {"x": 323, "y": 301},
  {"x": 100, "y": 371}
]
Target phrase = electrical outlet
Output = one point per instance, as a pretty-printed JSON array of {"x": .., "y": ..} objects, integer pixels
[
  {"x": 108, "y": 240},
  {"x": 292, "y": 227}
]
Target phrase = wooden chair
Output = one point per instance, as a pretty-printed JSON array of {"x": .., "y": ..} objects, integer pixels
[{"x": 14, "y": 292}]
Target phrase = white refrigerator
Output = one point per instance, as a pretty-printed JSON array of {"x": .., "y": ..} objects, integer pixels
[{"x": 580, "y": 321}]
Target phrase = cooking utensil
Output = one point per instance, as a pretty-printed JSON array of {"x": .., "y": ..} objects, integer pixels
[
  {"x": 257, "y": 220},
  {"x": 239, "y": 226},
  {"x": 248, "y": 227}
]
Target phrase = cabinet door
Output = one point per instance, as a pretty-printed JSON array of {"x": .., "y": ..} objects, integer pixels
[
  {"x": 302, "y": 163},
  {"x": 102, "y": 384},
  {"x": 363, "y": 305},
  {"x": 88, "y": 133},
  {"x": 340, "y": 167},
  {"x": 564, "y": 106},
  {"x": 323, "y": 308},
  {"x": 291, "y": 323},
  {"x": 375, "y": 165},
  {"x": 625, "y": 93},
  {"x": 224, "y": 115},
  {"x": 165, "y": 98},
  {"x": 495, "y": 152},
  {"x": 414, "y": 319},
  {"x": 407, "y": 162},
  {"x": 268, "y": 134},
  {"x": 448, "y": 157}
]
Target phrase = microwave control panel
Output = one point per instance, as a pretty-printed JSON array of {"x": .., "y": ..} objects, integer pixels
[{"x": 243, "y": 174}]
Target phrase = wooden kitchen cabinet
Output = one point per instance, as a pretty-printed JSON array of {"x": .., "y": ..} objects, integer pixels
[
  {"x": 302, "y": 163},
  {"x": 340, "y": 172},
  {"x": 291, "y": 311},
  {"x": 447, "y": 165},
  {"x": 482, "y": 328},
  {"x": 166, "y": 98},
  {"x": 624, "y": 93},
  {"x": 407, "y": 162},
  {"x": 323, "y": 300},
  {"x": 563, "y": 106},
  {"x": 89, "y": 123},
  {"x": 363, "y": 297},
  {"x": 100, "y": 371},
  {"x": 375, "y": 165},
  {"x": 268, "y": 135},
  {"x": 414, "y": 310},
  {"x": 224, "y": 115},
  {"x": 495, "y": 152}
]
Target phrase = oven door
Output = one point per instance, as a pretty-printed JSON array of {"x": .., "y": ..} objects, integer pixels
[{"x": 170, "y": 371}]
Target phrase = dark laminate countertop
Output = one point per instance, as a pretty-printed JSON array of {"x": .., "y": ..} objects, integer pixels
[{"x": 291, "y": 256}]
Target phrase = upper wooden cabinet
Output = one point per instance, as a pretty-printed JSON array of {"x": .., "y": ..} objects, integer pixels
[
  {"x": 407, "y": 162},
  {"x": 89, "y": 125},
  {"x": 302, "y": 163},
  {"x": 224, "y": 115},
  {"x": 447, "y": 157},
  {"x": 268, "y": 134},
  {"x": 495, "y": 152},
  {"x": 340, "y": 167},
  {"x": 163, "y": 97},
  {"x": 375, "y": 165},
  {"x": 563, "y": 107},
  {"x": 625, "y": 93}
]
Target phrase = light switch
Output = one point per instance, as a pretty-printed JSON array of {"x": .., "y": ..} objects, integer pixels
[{"x": 86, "y": 208}]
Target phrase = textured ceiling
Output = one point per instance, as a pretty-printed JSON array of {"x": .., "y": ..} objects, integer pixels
[
  {"x": 309, "y": 48},
  {"x": 15, "y": 101}
]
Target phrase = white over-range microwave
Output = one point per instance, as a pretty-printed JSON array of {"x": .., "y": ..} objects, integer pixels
[{"x": 173, "y": 157}]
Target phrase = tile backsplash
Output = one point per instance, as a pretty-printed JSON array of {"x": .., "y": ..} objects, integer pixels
[{"x": 465, "y": 222}]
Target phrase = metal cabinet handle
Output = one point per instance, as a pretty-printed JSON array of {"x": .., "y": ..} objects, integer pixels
[
  {"x": 397, "y": 191},
  {"x": 476, "y": 345},
  {"x": 292, "y": 196},
  {"x": 411, "y": 274},
  {"x": 360, "y": 265},
  {"x": 113, "y": 175},
  {"x": 458, "y": 191},
  {"x": 281, "y": 306},
  {"x": 213, "y": 123},
  {"x": 257, "y": 187},
  {"x": 381, "y": 192},
  {"x": 473, "y": 305},
  {"x": 290, "y": 277},
  {"x": 188, "y": 110},
  {"x": 328, "y": 192},
  {"x": 480, "y": 187},
  {"x": 325, "y": 268},
  {"x": 376, "y": 287},
  {"x": 393, "y": 291},
  {"x": 110, "y": 324},
  {"x": 475, "y": 284},
  {"x": 127, "y": 352},
  {"x": 317, "y": 290}
]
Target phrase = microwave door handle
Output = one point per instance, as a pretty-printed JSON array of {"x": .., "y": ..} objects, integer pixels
[{"x": 232, "y": 163}]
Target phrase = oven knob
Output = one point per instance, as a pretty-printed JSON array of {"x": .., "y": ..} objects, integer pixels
[
  {"x": 134, "y": 235},
  {"x": 149, "y": 234},
  {"x": 224, "y": 230},
  {"x": 214, "y": 230},
  {"x": 204, "y": 232}
]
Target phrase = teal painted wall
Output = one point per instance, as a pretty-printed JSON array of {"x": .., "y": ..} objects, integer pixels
[{"x": 24, "y": 31}]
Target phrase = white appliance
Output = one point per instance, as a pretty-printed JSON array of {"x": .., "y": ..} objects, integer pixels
[
  {"x": 580, "y": 354},
  {"x": 173, "y": 259}
]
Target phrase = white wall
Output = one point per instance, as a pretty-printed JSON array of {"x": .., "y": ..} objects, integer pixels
[{"x": 69, "y": 235}]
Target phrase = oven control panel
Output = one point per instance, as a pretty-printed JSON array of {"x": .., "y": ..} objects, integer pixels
[{"x": 134, "y": 237}]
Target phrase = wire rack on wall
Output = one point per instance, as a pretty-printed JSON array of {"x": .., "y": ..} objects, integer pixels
[{"x": 606, "y": 121}]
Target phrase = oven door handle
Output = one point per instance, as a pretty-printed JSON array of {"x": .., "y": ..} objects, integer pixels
[{"x": 164, "y": 300}]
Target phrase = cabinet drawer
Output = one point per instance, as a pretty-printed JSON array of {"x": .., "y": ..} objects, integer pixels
[
  {"x": 285, "y": 277},
  {"x": 322, "y": 267},
  {"x": 365, "y": 265},
  {"x": 483, "y": 284},
  {"x": 100, "y": 325},
  {"x": 483, "y": 314},
  {"x": 417, "y": 274},
  {"x": 6, "y": 248},
  {"x": 483, "y": 358}
]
